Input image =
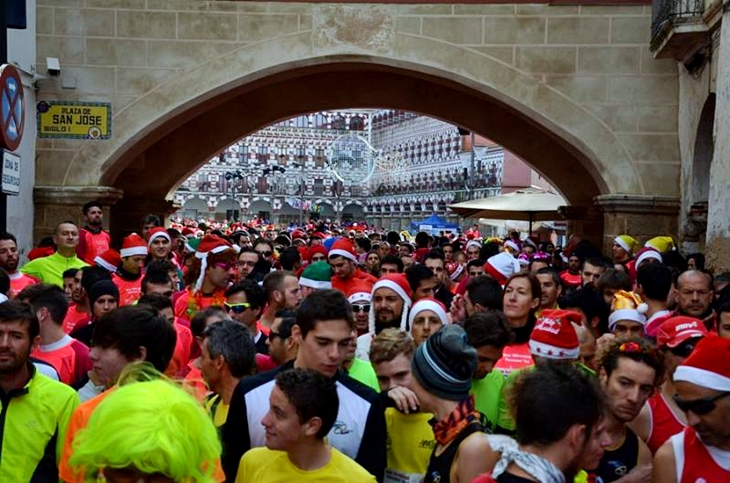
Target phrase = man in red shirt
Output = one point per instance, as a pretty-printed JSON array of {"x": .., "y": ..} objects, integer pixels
[
  {"x": 702, "y": 451},
  {"x": 128, "y": 278},
  {"x": 343, "y": 259},
  {"x": 9, "y": 262},
  {"x": 93, "y": 240}
]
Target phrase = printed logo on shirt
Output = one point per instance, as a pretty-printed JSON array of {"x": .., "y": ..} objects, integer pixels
[{"x": 341, "y": 428}]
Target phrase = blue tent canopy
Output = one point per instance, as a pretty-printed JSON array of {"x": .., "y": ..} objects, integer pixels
[{"x": 433, "y": 224}]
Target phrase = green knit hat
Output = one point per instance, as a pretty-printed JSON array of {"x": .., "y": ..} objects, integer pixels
[{"x": 318, "y": 275}]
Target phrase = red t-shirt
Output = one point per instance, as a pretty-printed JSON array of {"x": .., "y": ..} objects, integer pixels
[
  {"x": 18, "y": 281},
  {"x": 68, "y": 356},
  {"x": 92, "y": 244},
  {"x": 129, "y": 290},
  {"x": 74, "y": 319}
]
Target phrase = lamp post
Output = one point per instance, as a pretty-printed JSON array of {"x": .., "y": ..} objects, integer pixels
[{"x": 230, "y": 176}]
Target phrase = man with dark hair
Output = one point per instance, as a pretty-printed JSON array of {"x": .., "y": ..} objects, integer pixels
[
  {"x": 9, "y": 257},
  {"x": 390, "y": 264},
  {"x": 653, "y": 284},
  {"x": 345, "y": 271},
  {"x": 572, "y": 275},
  {"x": 184, "y": 342},
  {"x": 227, "y": 356},
  {"x": 483, "y": 294},
  {"x": 68, "y": 356},
  {"x": 247, "y": 260},
  {"x": 587, "y": 302},
  {"x": 474, "y": 268},
  {"x": 695, "y": 295},
  {"x": 149, "y": 222},
  {"x": 35, "y": 409},
  {"x": 303, "y": 408},
  {"x": 630, "y": 371},
  {"x": 611, "y": 282},
  {"x": 93, "y": 240},
  {"x": 290, "y": 259},
  {"x": 421, "y": 280},
  {"x": 592, "y": 270},
  {"x": 244, "y": 303},
  {"x": 282, "y": 346},
  {"x": 122, "y": 337},
  {"x": 488, "y": 333},
  {"x": 436, "y": 262},
  {"x": 323, "y": 331},
  {"x": 551, "y": 288},
  {"x": 282, "y": 291},
  {"x": 155, "y": 281},
  {"x": 50, "y": 269},
  {"x": 560, "y": 428}
]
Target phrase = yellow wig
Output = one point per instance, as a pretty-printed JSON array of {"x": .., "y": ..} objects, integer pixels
[{"x": 151, "y": 426}]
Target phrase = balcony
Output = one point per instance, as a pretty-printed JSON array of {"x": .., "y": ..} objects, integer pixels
[{"x": 678, "y": 28}]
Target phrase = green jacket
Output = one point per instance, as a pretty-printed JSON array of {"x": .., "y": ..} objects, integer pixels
[{"x": 50, "y": 269}]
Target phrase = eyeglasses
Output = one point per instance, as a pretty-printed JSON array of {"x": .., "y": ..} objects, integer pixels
[
  {"x": 361, "y": 308},
  {"x": 699, "y": 407},
  {"x": 683, "y": 350},
  {"x": 237, "y": 308},
  {"x": 266, "y": 253},
  {"x": 319, "y": 259},
  {"x": 224, "y": 266},
  {"x": 273, "y": 335}
]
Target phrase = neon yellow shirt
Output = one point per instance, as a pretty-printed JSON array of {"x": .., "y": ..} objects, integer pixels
[
  {"x": 363, "y": 372},
  {"x": 50, "y": 269},
  {"x": 409, "y": 445},
  {"x": 487, "y": 393},
  {"x": 218, "y": 410},
  {"x": 263, "y": 465}
]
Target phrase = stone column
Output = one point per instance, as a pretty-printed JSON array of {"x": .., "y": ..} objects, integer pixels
[
  {"x": 640, "y": 216},
  {"x": 584, "y": 221},
  {"x": 54, "y": 204},
  {"x": 718, "y": 216},
  {"x": 127, "y": 215}
]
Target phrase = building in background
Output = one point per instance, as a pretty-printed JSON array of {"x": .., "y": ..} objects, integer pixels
[{"x": 388, "y": 167}]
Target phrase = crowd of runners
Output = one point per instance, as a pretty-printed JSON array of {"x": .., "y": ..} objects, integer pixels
[{"x": 249, "y": 353}]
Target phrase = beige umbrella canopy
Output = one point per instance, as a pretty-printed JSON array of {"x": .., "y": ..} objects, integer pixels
[{"x": 527, "y": 204}]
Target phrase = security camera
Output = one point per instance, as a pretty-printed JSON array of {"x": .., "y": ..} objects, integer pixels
[{"x": 53, "y": 66}]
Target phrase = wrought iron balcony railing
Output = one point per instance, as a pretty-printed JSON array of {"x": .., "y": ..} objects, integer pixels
[{"x": 670, "y": 13}]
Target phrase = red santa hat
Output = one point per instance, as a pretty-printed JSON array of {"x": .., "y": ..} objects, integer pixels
[
  {"x": 502, "y": 266},
  {"x": 110, "y": 260},
  {"x": 343, "y": 247},
  {"x": 709, "y": 364},
  {"x": 187, "y": 231},
  {"x": 646, "y": 253},
  {"x": 360, "y": 291},
  {"x": 554, "y": 336},
  {"x": 428, "y": 304},
  {"x": 133, "y": 245},
  {"x": 209, "y": 244},
  {"x": 398, "y": 283},
  {"x": 316, "y": 249},
  {"x": 158, "y": 232}
]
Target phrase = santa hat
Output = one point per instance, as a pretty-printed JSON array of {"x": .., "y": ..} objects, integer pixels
[
  {"x": 455, "y": 269},
  {"x": 209, "y": 244},
  {"x": 343, "y": 247},
  {"x": 110, "y": 260},
  {"x": 187, "y": 231},
  {"x": 473, "y": 243},
  {"x": 512, "y": 246},
  {"x": 627, "y": 306},
  {"x": 662, "y": 244},
  {"x": 360, "y": 291},
  {"x": 298, "y": 235},
  {"x": 502, "y": 266},
  {"x": 645, "y": 254},
  {"x": 133, "y": 245},
  {"x": 676, "y": 330},
  {"x": 523, "y": 259},
  {"x": 398, "y": 283},
  {"x": 708, "y": 366},
  {"x": 626, "y": 242},
  {"x": 554, "y": 336},
  {"x": 319, "y": 235},
  {"x": 316, "y": 249},
  {"x": 428, "y": 304},
  {"x": 317, "y": 275},
  {"x": 158, "y": 232}
]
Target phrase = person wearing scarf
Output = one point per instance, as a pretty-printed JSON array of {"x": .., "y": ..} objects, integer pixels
[
  {"x": 442, "y": 369},
  {"x": 560, "y": 429}
]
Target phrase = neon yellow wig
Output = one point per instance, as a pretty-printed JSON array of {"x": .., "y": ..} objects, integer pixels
[{"x": 154, "y": 427}]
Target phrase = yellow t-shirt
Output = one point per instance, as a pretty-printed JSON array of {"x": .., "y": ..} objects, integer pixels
[
  {"x": 218, "y": 410},
  {"x": 262, "y": 465},
  {"x": 409, "y": 445}
]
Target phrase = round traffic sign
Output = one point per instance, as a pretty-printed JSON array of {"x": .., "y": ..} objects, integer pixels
[{"x": 12, "y": 108}]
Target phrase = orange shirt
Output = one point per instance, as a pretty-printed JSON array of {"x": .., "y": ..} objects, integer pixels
[
  {"x": 18, "y": 281},
  {"x": 129, "y": 290},
  {"x": 74, "y": 319},
  {"x": 181, "y": 356}
]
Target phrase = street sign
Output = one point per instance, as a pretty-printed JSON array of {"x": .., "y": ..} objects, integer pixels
[
  {"x": 11, "y": 173},
  {"x": 12, "y": 108},
  {"x": 74, "y": 120}
]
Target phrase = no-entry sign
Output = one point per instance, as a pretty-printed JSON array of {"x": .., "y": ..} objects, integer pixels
[{"x": 12, "y": 108}]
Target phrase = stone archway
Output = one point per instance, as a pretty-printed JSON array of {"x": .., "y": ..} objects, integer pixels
[{"x": 166, "y": 133}]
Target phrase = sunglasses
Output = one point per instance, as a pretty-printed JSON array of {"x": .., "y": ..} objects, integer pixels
[
  {"x": 265, "y": 254},
  {"x": 224, "y": 266},
  {"x": 700, "y": 407},
  {"x": 319, "y": 259},
  {"x": 273, "y": 335},
  {"x": 237, "y": 308},
  {"x": 361, "y": 308},
  {"x": 683, "y": 350}
]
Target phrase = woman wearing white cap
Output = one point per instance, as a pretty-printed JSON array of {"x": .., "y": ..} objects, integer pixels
[{"x": 426, "y": 317}]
